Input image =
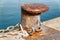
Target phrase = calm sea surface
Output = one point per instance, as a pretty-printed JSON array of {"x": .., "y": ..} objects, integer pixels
[{"x": 10, "y": 13}]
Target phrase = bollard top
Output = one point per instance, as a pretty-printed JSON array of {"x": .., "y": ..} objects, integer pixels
[{"x": 34, "y": 8}]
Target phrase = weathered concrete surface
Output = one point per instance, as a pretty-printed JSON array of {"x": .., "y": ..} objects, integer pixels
[
  {"x": 50, "y": 34},
  {"x": 54, "y": 23}
]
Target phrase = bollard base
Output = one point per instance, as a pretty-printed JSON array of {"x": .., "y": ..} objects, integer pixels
[{"x": 47, "y": 33}]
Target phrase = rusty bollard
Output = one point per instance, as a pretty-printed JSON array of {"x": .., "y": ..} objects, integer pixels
[{"x": 31, "y": 16}]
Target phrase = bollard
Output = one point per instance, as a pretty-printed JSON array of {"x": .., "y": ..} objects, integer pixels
[{"x": 31, "y": 16}]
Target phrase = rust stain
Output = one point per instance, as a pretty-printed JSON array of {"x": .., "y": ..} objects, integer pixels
[{"x": 36, "y": 34}]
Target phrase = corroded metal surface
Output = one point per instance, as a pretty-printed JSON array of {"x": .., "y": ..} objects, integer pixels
[
  {"x": 34, "y": 8},
  {"x": 50, "y": 34},
  {"x": 31, "y": 16}
]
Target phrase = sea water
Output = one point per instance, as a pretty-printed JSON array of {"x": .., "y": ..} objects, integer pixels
[{"x": 10, "y": 13}]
